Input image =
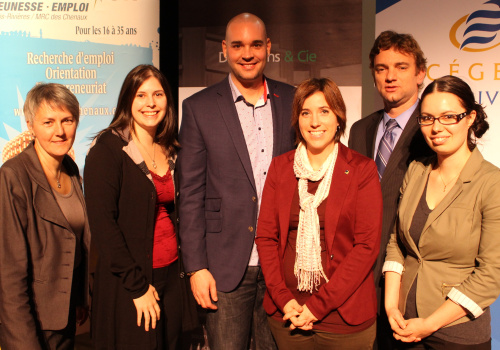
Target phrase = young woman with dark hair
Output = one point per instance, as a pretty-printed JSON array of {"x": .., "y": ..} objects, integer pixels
[
  {"x": 141, "y": 299},
  {"x": 441, "y": 268}
]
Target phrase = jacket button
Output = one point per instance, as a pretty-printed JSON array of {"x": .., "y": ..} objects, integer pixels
[
  {"x": 178, "y": 193},
  {"x": 250, "y": 228},
  {"x": 331, "y": 257},
  {"x": 181, "y": 275},
  {"x": 177, "y": 220},
  {"x": 254, "y": 199}
]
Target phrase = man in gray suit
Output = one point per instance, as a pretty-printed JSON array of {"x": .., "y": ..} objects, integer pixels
[
  {"x": 230, "y": 131},
  {"x": 392, "y": 136}
]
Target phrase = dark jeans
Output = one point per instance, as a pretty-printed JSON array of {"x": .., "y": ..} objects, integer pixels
[
  {"x": 321, "y": 340},
  {"x": 240, "y": 313}
]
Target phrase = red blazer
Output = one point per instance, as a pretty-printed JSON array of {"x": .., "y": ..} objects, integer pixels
[{"x": 353, "y": 225}]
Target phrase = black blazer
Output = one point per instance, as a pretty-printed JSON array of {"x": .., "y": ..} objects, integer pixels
[
  {"x": 218, "y": 198},
  {"x": 37, "y": 252},
  {"x": 411, "y": 145}
]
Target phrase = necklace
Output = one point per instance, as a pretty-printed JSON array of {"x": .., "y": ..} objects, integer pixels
[
  {"x": 57, "y": 174},
  {"x": 57, "y": 177},
  {"x": 154, "y": 154},
  {"x": 446, "y": 184}
]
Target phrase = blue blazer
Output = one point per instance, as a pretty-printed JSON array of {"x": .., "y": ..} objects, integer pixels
[{"x": 218, "y": 198}]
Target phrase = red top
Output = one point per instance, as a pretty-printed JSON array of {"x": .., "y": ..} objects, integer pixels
[{"x": 165, "y": 241}]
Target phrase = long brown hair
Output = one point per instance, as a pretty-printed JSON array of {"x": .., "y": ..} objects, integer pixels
[{"x": 166, "y": 133}]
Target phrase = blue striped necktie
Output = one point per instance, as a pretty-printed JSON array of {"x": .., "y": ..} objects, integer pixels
[{"x": 385, "y": 147}]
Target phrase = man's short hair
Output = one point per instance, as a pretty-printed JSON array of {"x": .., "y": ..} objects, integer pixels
[{"x": 404, "y": 43}]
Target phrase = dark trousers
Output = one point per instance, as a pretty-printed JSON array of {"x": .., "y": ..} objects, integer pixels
[
  {"x": 240, "y": 313},
  {"x": 433, "y": 343},
  {"x": 385, "y": 340},
  {"x": 168, "y": 329},
  {"x": 320, "y": 340}
]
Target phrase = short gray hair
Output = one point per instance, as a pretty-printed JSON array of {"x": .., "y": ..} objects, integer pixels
[{"x": 54, "y": 95}]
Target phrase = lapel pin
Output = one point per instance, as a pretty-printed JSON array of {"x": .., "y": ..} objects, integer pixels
[
  {"x": 275, "y": 95},
  {"x": 347, "y": 172}
]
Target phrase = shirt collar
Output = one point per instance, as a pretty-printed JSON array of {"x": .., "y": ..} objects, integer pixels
[
  {"x": 237, "y": 94},
  {"x": 403, "y": 118}
]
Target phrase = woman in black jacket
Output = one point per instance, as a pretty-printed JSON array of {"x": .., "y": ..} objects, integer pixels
[{"x": 140, "y": 298}]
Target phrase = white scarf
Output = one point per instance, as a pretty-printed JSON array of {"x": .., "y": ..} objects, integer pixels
[{"x": 308, "y": 268}]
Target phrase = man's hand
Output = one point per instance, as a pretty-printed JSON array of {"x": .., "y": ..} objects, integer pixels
[{"x": 204, "y": 290}]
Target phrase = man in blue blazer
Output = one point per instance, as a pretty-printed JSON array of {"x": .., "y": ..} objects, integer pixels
[{"x": 230, "y": 131}]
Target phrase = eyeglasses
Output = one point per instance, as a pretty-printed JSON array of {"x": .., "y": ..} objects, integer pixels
[{"x": 448, "y": 119}]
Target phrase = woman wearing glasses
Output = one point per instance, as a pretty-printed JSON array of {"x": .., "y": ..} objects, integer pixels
[{"x": 442, "y": 269}]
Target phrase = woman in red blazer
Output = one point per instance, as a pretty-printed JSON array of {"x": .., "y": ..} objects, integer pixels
[{"x": 318, "y": 232}]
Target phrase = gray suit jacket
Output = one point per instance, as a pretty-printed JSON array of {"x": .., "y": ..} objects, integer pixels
[
  {"x": 458, "y": 255},
  {"x": 410, "y": 146},
  {"x": 37, "y": 252},
  {"x": 218, "y": 199}
]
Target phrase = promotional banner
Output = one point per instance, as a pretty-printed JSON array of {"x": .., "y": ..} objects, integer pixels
[
  {"x": 88, "y": 46},
  {"x": 458, "y": 38}
]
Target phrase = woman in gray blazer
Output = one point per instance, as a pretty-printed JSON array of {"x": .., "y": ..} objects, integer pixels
[
  {"x": 44, "y": 234},
  {"x": 442, "y": 268}
]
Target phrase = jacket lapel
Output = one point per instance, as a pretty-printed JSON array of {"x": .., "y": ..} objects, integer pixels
[
  {"x": 409, "y": 203},
  {"x": 341, "y": 181},
  {"x": 286, "y": 187},
  {"x": 371, "y": 133},
  {"x": 230, "y": 117},
  {"x": 132, "y": 151},
  {"x": 277, "y": 113},
  {"x": 43, "y": 199},
  {"x": 470, "y": 168}
]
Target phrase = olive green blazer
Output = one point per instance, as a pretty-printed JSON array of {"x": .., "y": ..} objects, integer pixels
[{"x": 458, "y": 255}]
